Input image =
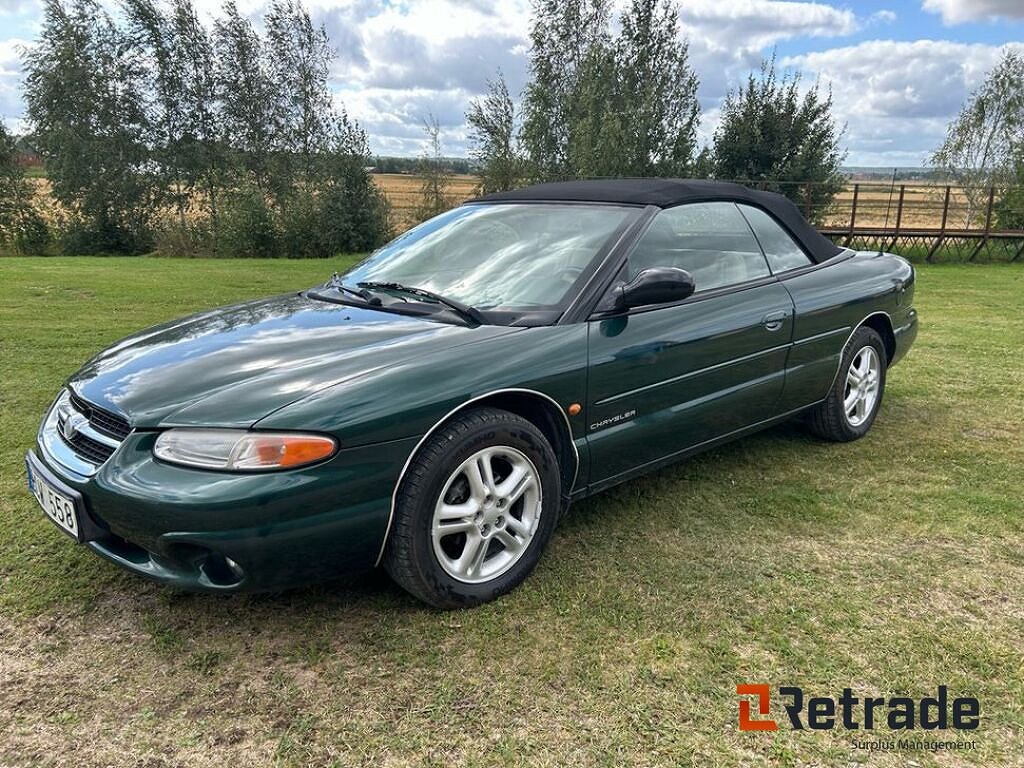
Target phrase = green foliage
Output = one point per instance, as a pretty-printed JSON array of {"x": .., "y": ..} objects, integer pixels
[
  {"x": 773, "y": 136},
  {"x": 982, "y": 144},
  {"x": 435, "y": 197},
  {"x": 85, "y": 96},
  {"x": 246, "y": 226},
  {"x": 492, "y": 139},
  {"x": 353, "y": 212},
  {"x": 232, "y": 133},
  {"x": 331, "y": 222},
  {"x": 1009, "y": 209},
  {"x": 600, "y": 104},
  {"x": 655, "y": 110},
  {"x": 22, "y": 227},
  {"x": 388, "y": 164},
  {"x": 182, "y": 97}
]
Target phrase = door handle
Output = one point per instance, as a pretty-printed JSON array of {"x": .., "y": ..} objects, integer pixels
[{"x": 774, "y": 321}]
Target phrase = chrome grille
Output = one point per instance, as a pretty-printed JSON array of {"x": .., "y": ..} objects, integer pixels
[
  {"x": 91, "y": 450},
  {"x": 104, "y": 421},
  {"x": 91, "y": 433}
]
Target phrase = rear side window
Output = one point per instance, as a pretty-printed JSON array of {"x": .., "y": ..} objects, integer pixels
[
  {"x": 780, "y": 249},
  {"x": 711, "y": 241}
]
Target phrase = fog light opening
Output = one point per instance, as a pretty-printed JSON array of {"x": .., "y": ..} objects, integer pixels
[{"x": 221, "y": 571}]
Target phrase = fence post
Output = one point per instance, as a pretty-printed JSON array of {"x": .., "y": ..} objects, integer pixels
[
  {"x": 807, "y": 201},
  {"x": 853, "y": 214},
  {"x": 988, "y": 222},
  {"x": 942, "y": 228},
  {"x": 899, "y": 217}
]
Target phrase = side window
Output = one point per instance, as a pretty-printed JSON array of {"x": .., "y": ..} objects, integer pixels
[
  {"x": 711, "y": 241},
  {"x": 779, "y": 248}
]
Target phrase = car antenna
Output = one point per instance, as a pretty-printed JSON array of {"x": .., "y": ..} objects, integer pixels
[{"x": 888, "y": 206}]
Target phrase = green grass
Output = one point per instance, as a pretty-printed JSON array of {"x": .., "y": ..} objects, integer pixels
[{"x": 893, "y": 564}]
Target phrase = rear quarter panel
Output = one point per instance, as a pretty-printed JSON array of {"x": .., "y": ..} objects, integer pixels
[{"x": 831, "y": 302}]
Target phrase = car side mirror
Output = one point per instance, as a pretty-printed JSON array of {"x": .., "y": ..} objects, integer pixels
[{"x": 658, "y": 285}]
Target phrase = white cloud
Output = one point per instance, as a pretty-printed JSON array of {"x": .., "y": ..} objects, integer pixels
[
  {"x": 882, "y": 17},
  {"x": 960, "y": 11},
  {"x": 10, "y": 79},
  {"x": 897, "y": 98},
  {"x": 762, "y": 23},
  {"x": 729, "y": 37}
]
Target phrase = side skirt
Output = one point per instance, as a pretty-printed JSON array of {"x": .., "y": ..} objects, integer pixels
[{"x": 672, "y": 458}]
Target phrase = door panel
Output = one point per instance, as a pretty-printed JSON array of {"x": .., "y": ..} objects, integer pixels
[{"x": 667, "y": 379}]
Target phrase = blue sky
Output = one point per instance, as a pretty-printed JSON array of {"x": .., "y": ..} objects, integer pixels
[{"x": 899, "y": 71}]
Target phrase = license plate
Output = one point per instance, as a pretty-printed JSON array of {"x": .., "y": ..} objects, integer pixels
[{"x": 57, "y": 506}]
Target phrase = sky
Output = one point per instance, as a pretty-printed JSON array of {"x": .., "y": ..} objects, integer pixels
[{"x": 899, "y": 71}]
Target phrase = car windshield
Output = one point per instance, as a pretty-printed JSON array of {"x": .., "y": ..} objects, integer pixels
[{"x": 498, "y": 256}]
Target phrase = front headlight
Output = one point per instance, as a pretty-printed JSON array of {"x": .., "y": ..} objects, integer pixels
[{"x": 236, "y": 450}]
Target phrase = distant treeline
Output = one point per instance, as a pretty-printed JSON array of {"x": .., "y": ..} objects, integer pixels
[{"x": 413, "y": 165}]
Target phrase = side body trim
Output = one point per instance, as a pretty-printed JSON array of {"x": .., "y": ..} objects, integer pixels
[
  {"x": 691, "y": 374},
  {"x": 452, "y": 412}
]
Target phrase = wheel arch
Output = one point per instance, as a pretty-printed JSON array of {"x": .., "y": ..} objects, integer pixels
[
  {"x": 881, "y": 323},
  {"x": 539, "y": 409}
]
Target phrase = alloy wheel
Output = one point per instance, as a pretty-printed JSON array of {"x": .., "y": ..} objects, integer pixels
[
  {"x": 487, "y": 514},
  {"x": 863, "y": 379}
]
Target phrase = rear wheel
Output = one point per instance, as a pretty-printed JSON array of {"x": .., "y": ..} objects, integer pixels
[
  {"x": 475, "y": 510},
  {"x": 856, "y": 395}
]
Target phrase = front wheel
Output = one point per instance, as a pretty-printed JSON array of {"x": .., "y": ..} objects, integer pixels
[
  {"x": 856, "y": 395},
  {"x": 475, "y": 510}
]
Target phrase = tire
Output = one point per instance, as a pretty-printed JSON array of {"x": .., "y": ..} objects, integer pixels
[
  {"x": 833, "y": 419},
  {"x": 460, "y": 538}
]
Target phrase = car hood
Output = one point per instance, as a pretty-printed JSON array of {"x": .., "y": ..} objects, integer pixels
[{"x": 232, "y": 366}]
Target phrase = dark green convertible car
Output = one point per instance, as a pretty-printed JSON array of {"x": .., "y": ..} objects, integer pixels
[{"x": 437, "y": 407}]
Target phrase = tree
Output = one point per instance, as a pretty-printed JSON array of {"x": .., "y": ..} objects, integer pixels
[
  {"x": 299, "y": 63},
  {"x": 235, "y": 132},
  {"x": 774, "y": 137},
  {"x": 84, "y": 91},
  {"x": 980, "y": 145},
  {"x": 437, "y": 178},
  {"x": 250, "y": 107},
  {"x": 21, "y": 225},
  {"x": 656, "y": 109},
  {"x": 563, "y": 34},
  {"x": 600, "y": 104},
  {"x": 182, "y": 98},
  {"x": 492, "y": 139}
]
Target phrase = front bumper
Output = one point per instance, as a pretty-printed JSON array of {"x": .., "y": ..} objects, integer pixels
[{"x": 221, "y": 532}]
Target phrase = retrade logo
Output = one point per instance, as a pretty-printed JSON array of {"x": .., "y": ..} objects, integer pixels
[{"x": 822, "y": 713}]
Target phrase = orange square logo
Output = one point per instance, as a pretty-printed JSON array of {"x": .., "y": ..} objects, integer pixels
[{"x": 762, "y": 692}]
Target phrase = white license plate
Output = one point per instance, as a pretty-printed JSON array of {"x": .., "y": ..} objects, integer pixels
[{"x": 57, "y": 506}]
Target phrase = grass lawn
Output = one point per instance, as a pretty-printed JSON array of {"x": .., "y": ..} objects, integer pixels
[{"x": 890, "y": 565}]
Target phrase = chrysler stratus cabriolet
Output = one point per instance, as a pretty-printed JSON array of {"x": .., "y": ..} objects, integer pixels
[{"x": 437, "y": 407}]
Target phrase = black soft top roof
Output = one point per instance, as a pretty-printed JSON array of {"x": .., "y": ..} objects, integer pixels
[{"x": 666, "y": 193}]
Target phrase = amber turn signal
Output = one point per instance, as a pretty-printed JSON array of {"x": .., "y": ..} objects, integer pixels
[{"x": 574, "y": 409}]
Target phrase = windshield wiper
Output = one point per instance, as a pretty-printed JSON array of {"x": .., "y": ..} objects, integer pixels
[
  {"x": 336, "y": 284},
  {"x": 471, "y": 313}
]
